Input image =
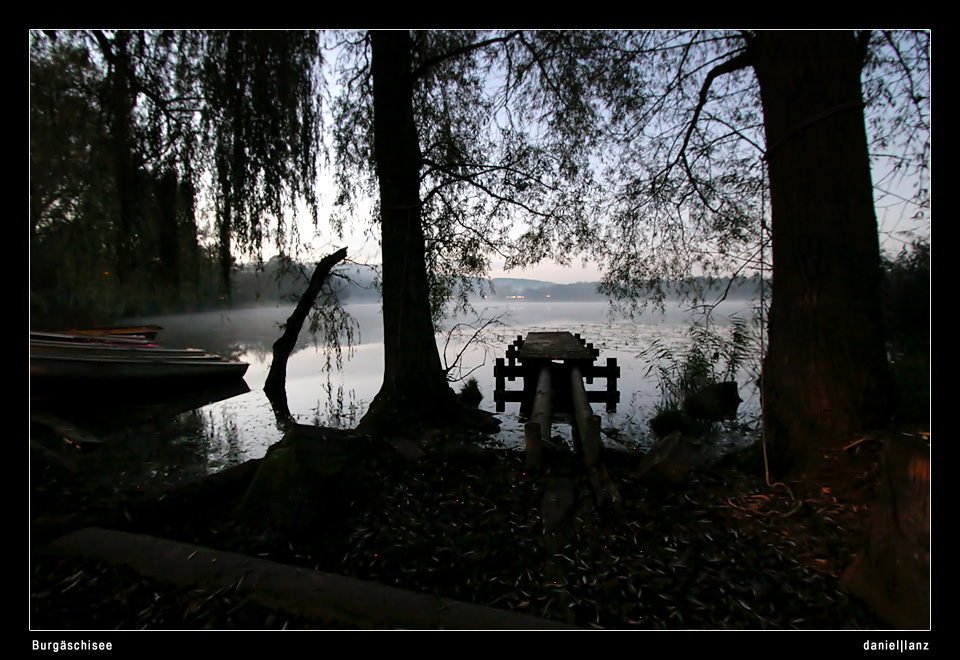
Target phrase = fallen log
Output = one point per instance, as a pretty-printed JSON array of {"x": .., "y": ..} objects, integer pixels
[{"x": 327, "y": 598}]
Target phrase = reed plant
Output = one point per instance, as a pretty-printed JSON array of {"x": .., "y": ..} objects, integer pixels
[{"x": 710, "y": 355}]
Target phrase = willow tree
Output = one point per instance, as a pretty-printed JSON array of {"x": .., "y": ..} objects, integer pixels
[
  {"x": 417, "y": 121},
  {"x": 698, "y": 127},
  {"x": 825, "y": 375},
  {"x": 110, "y": 215},
  {"x": 166, "y": 119},
  {"x": 65, "y": 150},
  {"x": 261, "y": 125},
  {"x": 414, "y": 114}
]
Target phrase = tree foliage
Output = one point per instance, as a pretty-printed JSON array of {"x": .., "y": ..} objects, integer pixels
[
  {"x": 486, "y": 172},
  {"x": 648, "y": 151},
  {"x": 425, "y": 117},
  {"x": 714, "y": 147},
  {"x": 261, "y": 126},
  {"x": 906, "y": 317},
  {"x": 675, "y": 196},
  {"x": 134, "y": 133},
  {"x": 677, "y": 128}
]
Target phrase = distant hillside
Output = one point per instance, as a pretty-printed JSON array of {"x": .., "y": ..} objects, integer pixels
[
  {"x": 519, "y": 283},
  {"x": 535, "y": 290},
  {"x": 506, "y": 288},
  {"x": 357, "y": 284}
]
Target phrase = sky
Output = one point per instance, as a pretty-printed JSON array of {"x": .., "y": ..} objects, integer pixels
[
  {"x": 550, "y": 271},
  {"x": 895, "y": 214},
  {"x": 364, "y": 249}
]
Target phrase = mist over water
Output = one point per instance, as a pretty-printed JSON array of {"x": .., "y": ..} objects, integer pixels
[{"x": 320, "y": 393}]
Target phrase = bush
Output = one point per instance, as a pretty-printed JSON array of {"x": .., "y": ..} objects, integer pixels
[
  {"x": 470, "y": 392},
  {"x": 712, "y": 358},
  {"x": 905, "y": 294}
]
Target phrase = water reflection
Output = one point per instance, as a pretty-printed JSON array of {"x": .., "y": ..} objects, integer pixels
[{"x": 209, "y": 436}]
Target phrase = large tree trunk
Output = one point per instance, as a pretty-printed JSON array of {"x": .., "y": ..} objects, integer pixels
[
  {"x": 893, "y": 573},
  {"x": 825, "y": 375},
  {"x": 414, "y": 385},
  {"x": 120, "y": 102}
]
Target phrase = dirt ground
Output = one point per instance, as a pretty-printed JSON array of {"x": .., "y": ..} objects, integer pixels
[{"x": 723, "y": 550}]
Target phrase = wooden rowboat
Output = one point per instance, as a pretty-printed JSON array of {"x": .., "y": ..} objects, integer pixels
[
  {"x": 59, "y": 357},
  {"x": 145, "y": 331},
  {"x": 96, "y": 349},
  {"x": 100, "y": 368},
  {"x": 81, "y": 339}
]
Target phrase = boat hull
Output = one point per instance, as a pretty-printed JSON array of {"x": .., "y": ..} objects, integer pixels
[
  {"x": 144, "y": 331},
  {"x": 93, "y": 350},
  {"x": 65, "y": 367},
  {"x": 57, "y": 357}
]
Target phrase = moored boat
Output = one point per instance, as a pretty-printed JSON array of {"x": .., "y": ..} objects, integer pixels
[
  {"x": 56, "y": 357},
  {"x": 80, "y": 339},
  {"x": 93, "y": 349},
  {"x": 98, "y": 367},
  {"x": 145, "y": 331}
]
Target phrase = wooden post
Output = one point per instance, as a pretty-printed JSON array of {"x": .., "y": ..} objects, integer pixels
[
  {"x": 588, "y": 426},
  {"x": 537, "y": 429},
  {"x": 613, "y": 396},
  {"x": 533, "y": 455},
  {"x": 499, "y": 386}
]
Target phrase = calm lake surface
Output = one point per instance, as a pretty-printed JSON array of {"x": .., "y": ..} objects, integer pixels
[{"x": 158, "y": 442}]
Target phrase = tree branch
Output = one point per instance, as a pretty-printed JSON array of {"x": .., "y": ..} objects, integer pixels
[
  {"x": 276, "y": 379},
  {"x": 493, "y": 195},
  {"x": 741, "y": 61},
  {"x": 457, "y": 52}
]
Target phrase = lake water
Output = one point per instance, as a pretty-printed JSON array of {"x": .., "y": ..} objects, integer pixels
[{"x": 210, "y": 437}]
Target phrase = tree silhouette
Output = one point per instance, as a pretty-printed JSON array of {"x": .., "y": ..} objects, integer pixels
[
  {"x": 694, "y": 127},
  {"x": 451, "y": 182},
  {"x": 120, "y": 118}
]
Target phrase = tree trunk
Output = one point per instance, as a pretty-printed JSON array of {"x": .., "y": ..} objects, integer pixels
[
  {"x": 825, "y": 375},
  {"x": 414, "y": 386},
  {"x": 276, "y": 383},
  {"x": 120, "y": 102},
  {"x": 893, "y": 573},
  {"x": 536, "y": 431}
]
